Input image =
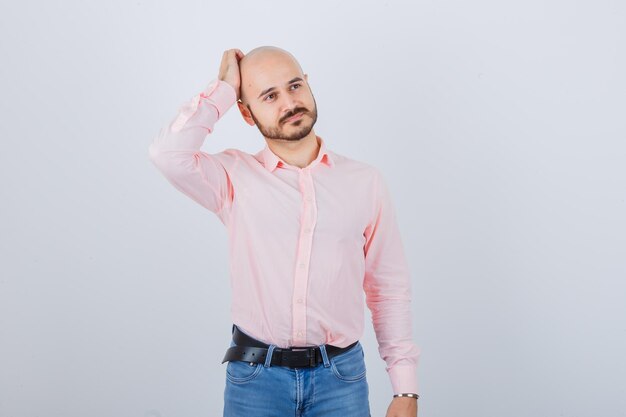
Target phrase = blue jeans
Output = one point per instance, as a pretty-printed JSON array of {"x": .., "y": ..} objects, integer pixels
[{"x": 335, "y": 388}]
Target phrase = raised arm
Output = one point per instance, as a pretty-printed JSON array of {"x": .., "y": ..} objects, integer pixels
[{"x": 176, "y": 149}]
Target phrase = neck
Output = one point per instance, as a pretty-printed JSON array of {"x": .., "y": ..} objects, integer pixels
[{"x": 298, "y": 153}]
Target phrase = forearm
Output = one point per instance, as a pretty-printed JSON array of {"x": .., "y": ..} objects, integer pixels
[
  {"x": 195, "y": 119},
  {"x": 391, "y": 318}
]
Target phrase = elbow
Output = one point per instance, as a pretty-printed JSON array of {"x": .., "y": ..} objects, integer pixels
[
  {"x": 158, "y": 159},
  {"x": 153, "y": 153}
]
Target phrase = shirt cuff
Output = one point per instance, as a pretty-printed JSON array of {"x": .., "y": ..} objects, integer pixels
[
  {"x": 404, "y": 379},
  {"x": 221, "y": 94}
]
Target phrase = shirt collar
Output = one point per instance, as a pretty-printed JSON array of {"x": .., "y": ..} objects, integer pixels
[{"x": 271, "y": 160}]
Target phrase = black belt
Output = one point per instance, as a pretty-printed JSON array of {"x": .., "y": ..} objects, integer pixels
[{"x": 249, "y": 349}]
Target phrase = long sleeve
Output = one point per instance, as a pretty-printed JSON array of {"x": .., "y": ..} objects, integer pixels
[
  {"x": 176, "y": 149},
  {"x": 387, "y": 286}
]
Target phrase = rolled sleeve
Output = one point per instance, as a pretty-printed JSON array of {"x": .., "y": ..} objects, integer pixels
[{"x": 217, "y": 93}]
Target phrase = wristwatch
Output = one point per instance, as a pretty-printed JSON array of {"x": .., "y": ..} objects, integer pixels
[{"x": 407, "y": 394}]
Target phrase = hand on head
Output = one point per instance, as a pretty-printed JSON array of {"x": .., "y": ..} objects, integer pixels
[{"x": 229, "y": 69}]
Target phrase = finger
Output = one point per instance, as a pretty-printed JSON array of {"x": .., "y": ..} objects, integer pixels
[{"x": 233, "y": 58}]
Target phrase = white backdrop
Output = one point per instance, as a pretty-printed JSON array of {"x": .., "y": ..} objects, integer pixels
[{"x": 500, "y": 127}]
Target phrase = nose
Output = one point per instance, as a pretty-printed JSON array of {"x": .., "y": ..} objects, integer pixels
[{"x": 288, "y": 104}]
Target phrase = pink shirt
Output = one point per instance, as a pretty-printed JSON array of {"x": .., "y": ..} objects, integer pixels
[{"x": 309, "y": 247}]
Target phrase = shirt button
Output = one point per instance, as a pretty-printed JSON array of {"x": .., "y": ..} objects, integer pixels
[
  {"x": 307, "y": 230},
  {"x": 302, "y": 265},
  {"x": 308, "y": 199},
  {"x": 299, "y": 333},
  {"x": 299, "y": 300}
]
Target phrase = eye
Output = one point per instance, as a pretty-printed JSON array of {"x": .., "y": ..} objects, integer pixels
[{"x": 270, "y": 95}]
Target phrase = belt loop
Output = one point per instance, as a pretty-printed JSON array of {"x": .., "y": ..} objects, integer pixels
[
  {"x": 268, "y": 358},
  {"x": 324, "y": 355}
]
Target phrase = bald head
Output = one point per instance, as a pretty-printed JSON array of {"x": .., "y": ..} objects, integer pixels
[{"x": 262, "y": 67}]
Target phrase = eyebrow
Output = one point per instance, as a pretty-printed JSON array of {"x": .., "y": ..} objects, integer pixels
[{"x": 267, "y": 90}]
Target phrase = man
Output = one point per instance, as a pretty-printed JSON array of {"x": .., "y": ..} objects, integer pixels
[{"x": 312, "y": 233}]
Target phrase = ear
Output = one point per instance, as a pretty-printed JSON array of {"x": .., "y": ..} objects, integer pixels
[
  {"x": 306, "y": 77},
  {"x": 245, "y": 113}
]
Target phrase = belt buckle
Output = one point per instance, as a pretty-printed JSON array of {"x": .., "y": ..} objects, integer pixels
[{"x": 310, "y": 355}]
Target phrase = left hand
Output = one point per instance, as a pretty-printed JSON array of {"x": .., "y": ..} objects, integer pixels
[{"x": 402, "y": 407}]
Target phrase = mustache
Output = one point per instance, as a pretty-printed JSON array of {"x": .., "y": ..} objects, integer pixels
[{"x": 293, "y": 113}]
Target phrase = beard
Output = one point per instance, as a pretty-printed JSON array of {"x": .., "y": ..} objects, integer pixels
[{"x": 278, "y": 132}]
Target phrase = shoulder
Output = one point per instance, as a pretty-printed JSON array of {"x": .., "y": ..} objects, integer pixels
[
  {"x": 231, "y": 156},
  {"x": 350, "y": 166}
]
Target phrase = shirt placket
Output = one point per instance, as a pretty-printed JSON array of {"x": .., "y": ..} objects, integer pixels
[{"x": 308, "y": 217}]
